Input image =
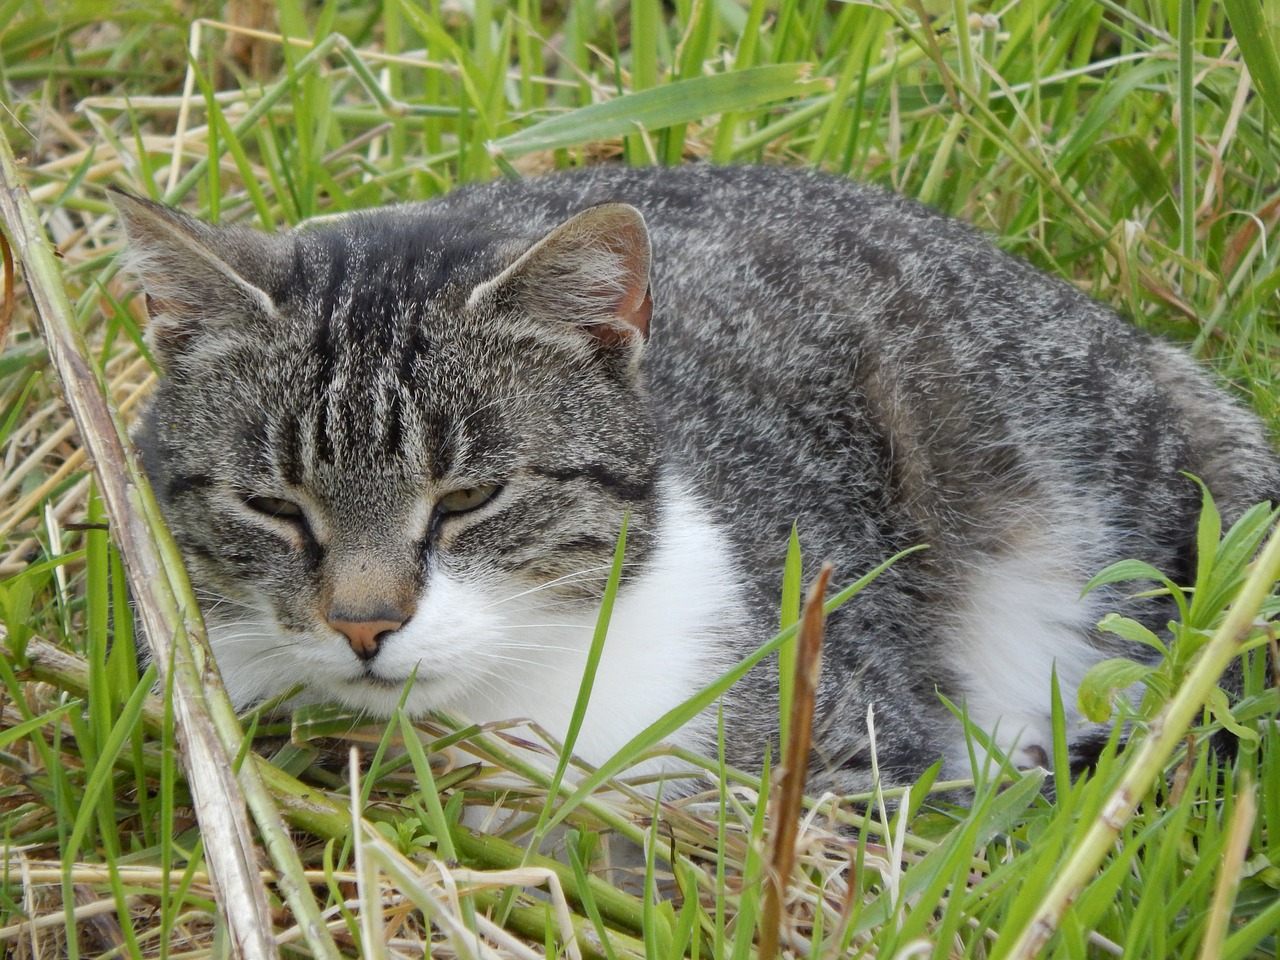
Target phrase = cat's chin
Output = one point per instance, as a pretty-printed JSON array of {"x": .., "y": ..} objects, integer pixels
[
  {"x": 328, "y": 674},
  {"x": 380, "y": 696}
]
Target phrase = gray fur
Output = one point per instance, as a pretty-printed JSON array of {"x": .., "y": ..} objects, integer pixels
[{"x": 820, "y": 353}]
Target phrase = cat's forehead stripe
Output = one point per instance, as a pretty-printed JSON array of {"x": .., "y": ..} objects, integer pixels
[
  {"x": 291, "y": 464},
  {"x": 386, "y": 261}
]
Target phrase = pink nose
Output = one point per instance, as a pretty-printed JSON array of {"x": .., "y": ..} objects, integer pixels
[{"x": 365, "y": 636}]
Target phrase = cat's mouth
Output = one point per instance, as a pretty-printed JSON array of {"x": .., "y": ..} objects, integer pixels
[{"x": 372, "y": 678}]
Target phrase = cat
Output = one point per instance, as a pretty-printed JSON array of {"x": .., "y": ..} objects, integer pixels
[{"x": 400, "y": 443}]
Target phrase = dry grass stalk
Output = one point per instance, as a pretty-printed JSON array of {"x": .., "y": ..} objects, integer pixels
[
  {"x": 75, "y": 461},
  {"x": 789, "y": 795},
  {"x": 43, "y": 930},
  {"x": 6, "y": 306},
  {"x": 229, "y": 846},
  {"x": 1230, "y": 872}
]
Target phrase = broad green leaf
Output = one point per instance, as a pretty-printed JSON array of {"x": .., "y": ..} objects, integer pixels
[
  {"x": 1208, "y": 533},
  {"x": 683, "y": 101},
  {"x": 1104, "y": 680},
  {"x": 15, "y": 610},
  {"x": 1217, "y": 585},
  {"x": 1245, "y": 537},
  {"x": 1131, "y": 630},
  {"x": 1123, "y": 571},
  {"x": 1217, "y": 702},
  {"x": 1247, "y": 936}
]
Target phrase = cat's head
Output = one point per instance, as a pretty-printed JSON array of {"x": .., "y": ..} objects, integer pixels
[{"x": 394, "y": 442}]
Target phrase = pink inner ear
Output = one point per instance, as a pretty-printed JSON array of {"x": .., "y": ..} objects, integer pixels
[
  {"x": 634, "y": 317},
  {"x": 640, "y": 317},
  {"x": 635, "y": 305},
  {"x": 632, "y": 305},
  {"x": 591, "y": 271}
]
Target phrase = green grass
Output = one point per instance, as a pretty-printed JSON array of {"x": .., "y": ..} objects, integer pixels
[{"x": 1118, "y": 143}]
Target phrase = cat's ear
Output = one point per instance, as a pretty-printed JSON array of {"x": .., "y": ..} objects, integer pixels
[
  {"x": 591, "y": 271},
  {"x": 194, "y": 274}
]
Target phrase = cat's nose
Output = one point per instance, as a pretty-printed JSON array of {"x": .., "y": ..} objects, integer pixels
[{"x": 366, "y": 635}]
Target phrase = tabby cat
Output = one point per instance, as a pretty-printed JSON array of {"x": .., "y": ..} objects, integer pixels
[{"x": 401, "y": 443}]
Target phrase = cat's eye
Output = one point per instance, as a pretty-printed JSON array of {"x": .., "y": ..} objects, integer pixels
[
  {"x": 463, "y": 501},
  {"x": 276, "y": 507}
]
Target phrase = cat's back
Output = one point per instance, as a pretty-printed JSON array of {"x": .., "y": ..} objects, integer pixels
[
  {"x": 783, "y": 274},
  {"x": 830, "y": 353}
]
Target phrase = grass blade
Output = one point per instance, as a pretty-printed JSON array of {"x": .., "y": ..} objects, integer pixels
[
  {"x": 1255, "y": 24},
  {"x": 682, "y": 101}
]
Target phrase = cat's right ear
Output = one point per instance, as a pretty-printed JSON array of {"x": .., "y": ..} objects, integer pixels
[
  {"x": 591, "y": 272},
  {"x": 186, "y": 269}
]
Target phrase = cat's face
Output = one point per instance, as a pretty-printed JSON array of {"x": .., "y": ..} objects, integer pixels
[{"x": 392, "y": 448}]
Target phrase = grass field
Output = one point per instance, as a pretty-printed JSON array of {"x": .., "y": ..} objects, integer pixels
[{"x": 1129, "y": 146}]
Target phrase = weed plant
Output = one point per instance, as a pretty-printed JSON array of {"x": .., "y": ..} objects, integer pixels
[{"x": 1128, "y": 145}]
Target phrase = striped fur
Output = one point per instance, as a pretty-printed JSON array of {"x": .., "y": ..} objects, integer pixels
[{"x": 765, "y": 347}]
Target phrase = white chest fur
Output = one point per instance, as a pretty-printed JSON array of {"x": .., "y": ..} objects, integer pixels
[
  {"x": 517, "y": 657},
  {"x": 1025, "y": 620}
]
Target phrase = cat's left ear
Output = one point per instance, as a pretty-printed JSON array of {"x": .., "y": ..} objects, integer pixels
[{"x": 591, "y": 271}]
